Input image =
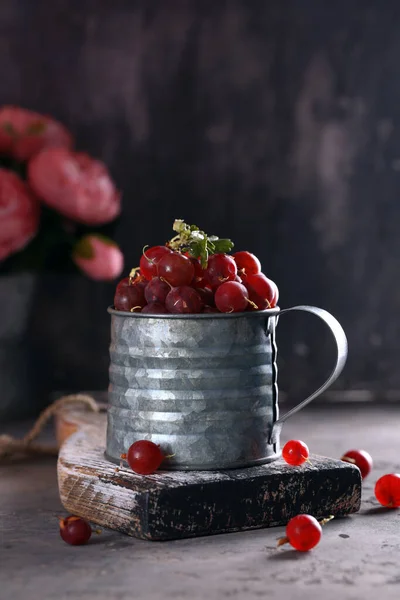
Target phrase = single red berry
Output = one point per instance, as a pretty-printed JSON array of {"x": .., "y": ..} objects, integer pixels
[
  {"x": 75, "y": 531},
  {"x": 129, "y": 297},
  {"x": 231, "y": 297},
  {"x": 156, "y": 290},
  {"x": 361, "y": 459},
  {"x": 220, "y": 268},
  {"x": 262, "y": 291},
  {"x": 303, "y": 532},
  {"x": 150, "y": 259},
  {"x": 154, "y": 308},
  {"x": 177, "y": 269},
  {"x": 387, "y": 490},
  {"x": 295, "y": 452},
  {"x": 247, "y": 263},
  {"x": 144, "y": 457},
  {"x": 183, "y": 300},
  {"x": 275, "y": 299}
]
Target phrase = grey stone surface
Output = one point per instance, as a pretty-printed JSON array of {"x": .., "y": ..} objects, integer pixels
[{"x": 357, "y": 557}]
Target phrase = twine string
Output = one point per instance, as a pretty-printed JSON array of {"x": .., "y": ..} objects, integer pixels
[{"x": 10, "y": 446}]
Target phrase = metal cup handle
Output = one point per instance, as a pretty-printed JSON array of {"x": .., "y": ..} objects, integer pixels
[{"x": 341, "y": 344}]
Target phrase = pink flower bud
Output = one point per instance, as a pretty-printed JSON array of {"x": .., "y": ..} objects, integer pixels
[
  {"x": 98, "y": 257},
  {"x": 19, "y": 214},
  {"x": 24, "y": 133},
  {"x": 75, "y": 185}
]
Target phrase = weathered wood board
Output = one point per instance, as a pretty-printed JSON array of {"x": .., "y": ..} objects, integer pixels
[{"x": 172, "y": 505}]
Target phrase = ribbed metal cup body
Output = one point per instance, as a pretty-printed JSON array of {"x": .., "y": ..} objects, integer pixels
[{"x": 202, "y": 386}]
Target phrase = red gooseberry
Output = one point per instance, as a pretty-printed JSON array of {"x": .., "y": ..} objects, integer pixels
[
  {"x": 177, "y": 269},
  {"x": 129, "y": 297},
  {"x": 150, "y": 259},
  {"x": 262, "y": 291},
  {"x": 303, "y": 532},
  {"x": 231, "y": 296},
  {"x": 387, "y": 490},
  {"x": 144, "y": 457},
  {"x": 183, "y": 300},
  {"x": 295, "y": 452},
  {"x": 361, "y": 459},
  {"x": 220, "y": 268},
  {"x": 247, "y": 263},
  {"x": 75, "y": 531}
]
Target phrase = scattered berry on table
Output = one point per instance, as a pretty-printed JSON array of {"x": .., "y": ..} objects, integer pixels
[
  {"x": 361, "y": 459},
  {"x": 75, "y": 530},
  {"x": 295, "y": 452},
  {"x": 387, "y": 490},
  {"x": 303, "y": 532}
]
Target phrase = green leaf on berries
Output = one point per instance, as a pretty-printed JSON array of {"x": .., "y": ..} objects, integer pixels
[
  {"x": 196, "y": 242},
  {"x": 223, "y": 246}
]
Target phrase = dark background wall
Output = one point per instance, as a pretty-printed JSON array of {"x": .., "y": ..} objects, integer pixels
[{"x": 275, "y": 123}]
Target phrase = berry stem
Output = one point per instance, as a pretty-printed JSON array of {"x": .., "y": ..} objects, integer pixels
[
  {"x": 282, "y": 541},
  {"x": 326, "y": 520},
  {"x": 253, "y": 304},
  {"x": 144, "y": 254},
  {"x": 132, "y": 274},
  {"x": 167, "y": 282}
]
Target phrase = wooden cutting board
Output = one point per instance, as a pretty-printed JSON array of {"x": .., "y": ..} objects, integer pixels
[{"x": 179, "y": 504}]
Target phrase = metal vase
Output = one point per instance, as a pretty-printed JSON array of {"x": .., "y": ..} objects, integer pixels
[{"x": 203, "y": 386}]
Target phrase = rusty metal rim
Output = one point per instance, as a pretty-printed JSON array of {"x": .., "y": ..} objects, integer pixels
[{"x": 269, "y": 312}]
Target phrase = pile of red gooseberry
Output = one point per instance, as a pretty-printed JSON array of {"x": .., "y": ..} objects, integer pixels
[{"x": 188, "y": 277}]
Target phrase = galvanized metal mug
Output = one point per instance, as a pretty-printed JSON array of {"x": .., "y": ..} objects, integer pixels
[{"x": 203, "y": 386}]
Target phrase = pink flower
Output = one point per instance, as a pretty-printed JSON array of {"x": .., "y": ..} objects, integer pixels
[
  {"x": 98, "y": 257},
  {"x": 24, "y": 133},
  {"x": 19, "y": 214},
  {"x": 74, "y": 184}
]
